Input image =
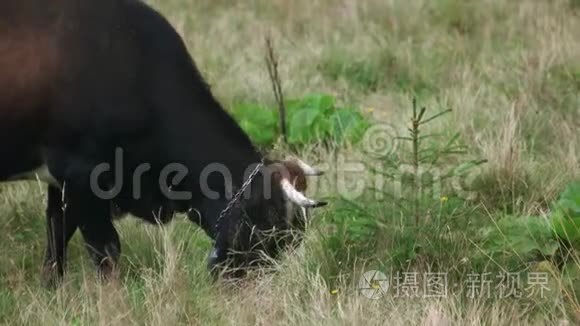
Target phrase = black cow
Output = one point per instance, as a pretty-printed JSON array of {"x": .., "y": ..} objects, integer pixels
[{"x": 101, "y": 100}]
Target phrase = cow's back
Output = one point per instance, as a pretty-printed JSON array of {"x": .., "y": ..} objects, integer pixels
[
  {"x": 105, "y": 74},
  {"x": 59, "y": 60},
  {"x": 29, "y": 58}
]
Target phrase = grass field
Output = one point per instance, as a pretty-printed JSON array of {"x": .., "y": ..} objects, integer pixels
[{"x": 510, "y": 72}]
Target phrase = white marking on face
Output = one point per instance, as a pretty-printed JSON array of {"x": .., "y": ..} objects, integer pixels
[
  {"x": 40, "y": 174},
  {"x": 296, "y": 196}
]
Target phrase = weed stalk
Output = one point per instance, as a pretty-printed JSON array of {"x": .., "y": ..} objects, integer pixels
[{"x": 272, "y": 65}]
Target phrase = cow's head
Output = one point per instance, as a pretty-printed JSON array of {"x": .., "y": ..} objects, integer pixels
[{"x": 270, "y": 218}]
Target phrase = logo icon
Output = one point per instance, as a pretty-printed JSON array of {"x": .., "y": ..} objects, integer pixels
[{"x": 373, "y": 284}]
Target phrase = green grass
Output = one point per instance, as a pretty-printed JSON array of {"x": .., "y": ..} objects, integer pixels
[{"x": 509, "y": 70}]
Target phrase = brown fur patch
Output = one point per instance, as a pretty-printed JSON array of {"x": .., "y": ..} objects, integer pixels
[{"x": 28, "y": 68}]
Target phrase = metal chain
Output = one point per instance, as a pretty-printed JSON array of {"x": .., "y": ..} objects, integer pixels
[{"x": 238, "y": 195}]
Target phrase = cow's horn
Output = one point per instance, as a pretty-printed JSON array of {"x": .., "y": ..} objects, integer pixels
[
  {"x": 297, "y": 197},
  {"x": 307, "y": 169}
]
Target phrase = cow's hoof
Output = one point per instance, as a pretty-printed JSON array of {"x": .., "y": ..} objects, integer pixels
[
  {"x": 217, "y": 264},
  {"x": 213, "y": 264},
  {"x": 50, "y": 276},
  {"x": 108, "y": 270}
]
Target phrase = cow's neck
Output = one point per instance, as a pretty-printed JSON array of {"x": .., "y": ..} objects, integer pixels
[{"x": 202, "y": 133}]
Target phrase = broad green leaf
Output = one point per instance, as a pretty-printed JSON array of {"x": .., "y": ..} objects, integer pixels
[
  {"x": 258, "y": 122},
  {"x": 304, "y": 118},
  {"x": 347, "y": 124},
  {"x": 570, "y": 198},
  {"x": 310, "y": 119},
  {"x": 567, "y": 228},
  {"x": 256, "y": 114},
  {"x": 320, "y": 102},
  {"x": 523, "y": 235},
  {"x": 301, "y": 126},
  {"x": 259, "y": 135},
  {"x": 566, "y": 215}
]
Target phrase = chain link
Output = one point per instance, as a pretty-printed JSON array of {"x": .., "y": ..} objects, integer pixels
[{"x": 238, "y": 195}]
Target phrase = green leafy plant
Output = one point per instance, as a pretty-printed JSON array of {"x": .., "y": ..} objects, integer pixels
[
  {"x": 311, "y": 119},
  {"x": 525, "y": 236},
  {"x": 566, "y": 215},
  {"x": 260, "y": 123},
  {"x": 318, "y": 118}
]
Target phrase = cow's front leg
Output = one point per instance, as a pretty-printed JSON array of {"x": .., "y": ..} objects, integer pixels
[
  {"x": 94, "y": 219},
  {"x": 102, "y": 242},
  {"x": 205, "y": 213},
  {"x": 60, "y": 229}
]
